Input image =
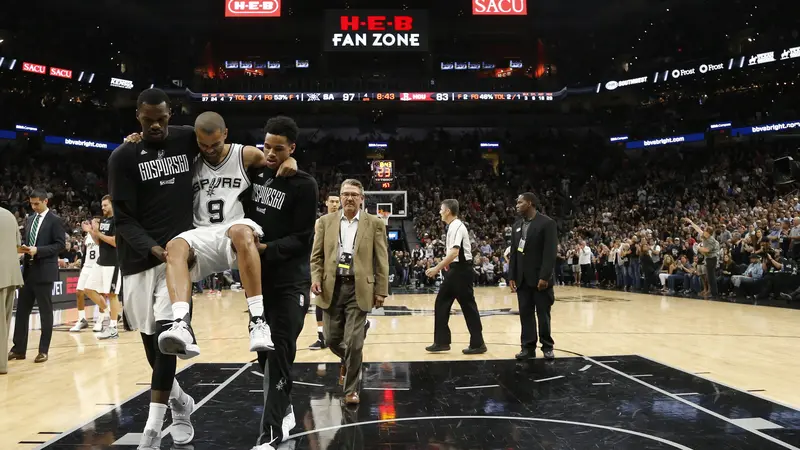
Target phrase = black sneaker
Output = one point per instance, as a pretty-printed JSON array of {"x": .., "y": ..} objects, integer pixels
[
  {"x": 474, "y": 350},
  {"x": 366, "y": 328},
  {"x": 526, "y": 354},
  {"x": 548, "y": 354},
  {"x": 437, "y": 348},
  {"x": 319, "y": 345}
]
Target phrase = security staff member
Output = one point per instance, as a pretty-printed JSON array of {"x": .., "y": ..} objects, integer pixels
[
  {"x": 457, "y": 285},
  {"x": 534, "y": 242}
]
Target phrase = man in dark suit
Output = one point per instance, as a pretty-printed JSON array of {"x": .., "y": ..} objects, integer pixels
[
  {"x": 44, "y": 238},
  {"x": 533, "y": 256}
]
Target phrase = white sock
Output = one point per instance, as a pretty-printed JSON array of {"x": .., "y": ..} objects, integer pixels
[
  {"x": 177, "y": 393},
  {"x": 180, "y": 310},
  {"x": 155, "y": 419},
  {"x": 319, "y": 330},
  {"x": 112, "y": 323},
  {"x": 81, "y": 315},
  {"x": 256, "y": 305}
]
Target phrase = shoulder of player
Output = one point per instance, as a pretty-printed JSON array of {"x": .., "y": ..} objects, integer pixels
[
  {"x": 302, "y": 178},
  {"x": 124, "y": 150}
]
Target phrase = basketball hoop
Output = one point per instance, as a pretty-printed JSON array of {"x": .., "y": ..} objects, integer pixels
[{"x": 385, "y": 215}]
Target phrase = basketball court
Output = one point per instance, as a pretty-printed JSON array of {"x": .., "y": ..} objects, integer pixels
[{"x": 631, "y": 372}]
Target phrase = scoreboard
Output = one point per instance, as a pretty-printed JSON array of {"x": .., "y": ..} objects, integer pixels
[
  {"x": 383, "y": 174},
  {"x": 357, "y": 97}
]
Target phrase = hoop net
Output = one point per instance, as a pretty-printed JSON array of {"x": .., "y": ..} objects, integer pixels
[{"x": 385, "y": 215}]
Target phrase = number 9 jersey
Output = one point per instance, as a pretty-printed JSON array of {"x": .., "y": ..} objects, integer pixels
[{"x": 217, "y": 189}]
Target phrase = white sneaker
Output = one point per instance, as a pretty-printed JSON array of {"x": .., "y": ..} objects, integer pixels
[
  {"x": 182, "y": 428},
  {"x": 99, "y": 324},
  {"x": 151, "y": 440},
  {"x": 263, "y": 447},
  {"x": 260, "y": 336},
  {"x": 108, "y": 333},
  {"x": 179, "y": 340},
  {"x": 288, "y": 424},
  {"x": 79, "y": 325}
]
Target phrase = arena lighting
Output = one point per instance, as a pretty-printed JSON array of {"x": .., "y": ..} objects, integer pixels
[
  {"x": 2, "y": 58},
  {"x": 13, "y": 63},
  {"x": 91, "y": 78},
  {"x": 80, "y": 77}
]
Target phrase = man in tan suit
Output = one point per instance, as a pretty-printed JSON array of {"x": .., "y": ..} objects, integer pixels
[
  {"x": 10, "y": 277},
  {"x": 350, "y": 276}
]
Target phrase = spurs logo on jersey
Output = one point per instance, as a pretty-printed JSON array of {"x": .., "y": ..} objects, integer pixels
[
  {"x": 92, "y": 252},
  {"x": 217, "y": 189},
  {"x": 267, "y": 196}
]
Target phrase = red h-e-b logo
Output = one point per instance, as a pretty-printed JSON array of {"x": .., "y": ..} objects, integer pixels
[
  {"x": 376, "y": 23},
  {"x": 34, "y": 68},
  {"x": 61, "y": 73},
  {"x": 499, "y": 8},
  {"x": 253, "y": 8}
]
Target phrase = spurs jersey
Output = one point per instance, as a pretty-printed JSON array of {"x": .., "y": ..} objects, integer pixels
[
  {"x": 92, "y": 252},
  {"x": 217, "y": 189}
]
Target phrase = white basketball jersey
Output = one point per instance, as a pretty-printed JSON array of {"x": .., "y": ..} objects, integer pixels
[
  {"x": 217, "y": 189},
  {"x": 92, "y": 252}
]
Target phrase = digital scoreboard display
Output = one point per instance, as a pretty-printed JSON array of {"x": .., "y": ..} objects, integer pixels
[
  {"x": 344, "y": 97},
  {"x": 383, "y": 174}
]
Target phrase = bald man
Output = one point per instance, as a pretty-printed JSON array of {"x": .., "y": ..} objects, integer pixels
[{"x": 222, "y": 237}]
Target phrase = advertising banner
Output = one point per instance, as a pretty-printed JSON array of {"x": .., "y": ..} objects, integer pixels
[
  {"x": 771, "y": 128},
  {"x": 34, "y": 68},
  {"x": 252, "y": 8},
  {"x": 76, "y": 142},
  {"x": 376, "y": 30},
  {"x": 499, "y": 8},
  {"x": 61, "y": 73},
  {"x": 657, "y": 142}
]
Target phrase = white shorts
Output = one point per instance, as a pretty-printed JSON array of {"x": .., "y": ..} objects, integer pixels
[
  {"x": 212, "y": 247},
  {"x": 104, "y": 280},
  {"x": 83, "y": 278},
  {"x": 147, "y": 299}
]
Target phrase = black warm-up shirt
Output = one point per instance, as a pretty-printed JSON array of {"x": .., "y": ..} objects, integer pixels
[
  {"x": 108, "y": 254},
  {"x": 151, "y": 184},
  {"x": 286, "y": 209}
]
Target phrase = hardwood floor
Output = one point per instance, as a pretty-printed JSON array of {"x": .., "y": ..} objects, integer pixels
[{"x": 747, "y": 347}]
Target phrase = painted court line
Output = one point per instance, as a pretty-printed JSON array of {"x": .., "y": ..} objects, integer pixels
[
  {"x": 101, "y": 414},
  {"x": 584, "y": 368},
  {"x": 504, "y": 418},
  {"x": 255, "y": 391},
  {"x": 211, "y": 394},
  {"x": 688, "y": 393},
  {"x": 548, "y": 379},
  {"x": 643, "y": 375},
  {"x": 611, "y": 361},
  {"x": 694, "y": 405},
  {"x": 777, "y": 402},
  {"x": 485, "y": 386},
  {"x": 601, "y": 384},
  {"x": 208, "y": 384},
  {"x": 309, "y": 384}
]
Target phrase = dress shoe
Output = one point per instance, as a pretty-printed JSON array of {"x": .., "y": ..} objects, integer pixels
[
  {"x": 342, "y": 373},
  {"x": 474, "y": 350},
  {"x": 40, "y": 358},
  {"x": 526, "y": 354},
  {"x": 548, "y": 354},
  {"x": 437, "y": 348},
  {"x": 352, "y": 399},
  {"x": 12, "y": 356}
]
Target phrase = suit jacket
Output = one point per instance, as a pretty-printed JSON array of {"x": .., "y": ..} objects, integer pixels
[
  {"x": 539, "y": 257},
  {"x": 10, "y": 275},
  {"x": 43, "y": 267},
  {"x": 370, "y": 259}
]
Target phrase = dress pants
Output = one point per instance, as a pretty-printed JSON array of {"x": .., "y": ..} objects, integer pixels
[
  {"x": 41, "y": 294},
  {"x": 285, "y": 309},
  {"x": 535, "y": 302},
  {"x": 711, "y": 270},
  {"x": 6, "y": 307},
  {"x": 457, "y": 285},
  {"x": 343, "y": 327}
]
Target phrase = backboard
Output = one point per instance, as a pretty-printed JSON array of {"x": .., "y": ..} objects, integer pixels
[{"x": 396, "y": 202}]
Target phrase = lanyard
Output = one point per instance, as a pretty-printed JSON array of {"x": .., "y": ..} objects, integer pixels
[{"x": 341, "y": 238}]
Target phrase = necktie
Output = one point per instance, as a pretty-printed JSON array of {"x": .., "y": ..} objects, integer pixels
[{"x": 34, "y": 228}]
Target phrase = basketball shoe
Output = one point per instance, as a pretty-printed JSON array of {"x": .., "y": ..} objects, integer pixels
[{"x": 179, "y": 340}]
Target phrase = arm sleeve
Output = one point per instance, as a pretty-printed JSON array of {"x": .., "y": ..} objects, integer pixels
[
  {"x": 305, "y": 213},
  {"x": 549, "y": 251},
  {"x": 123, "y": 191},
  {"x": 318, "y": 253},
  {"x": 461, "y": 236},
  {"x": 59, "y": 238},
  {"x": 381, "y": 255}
]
